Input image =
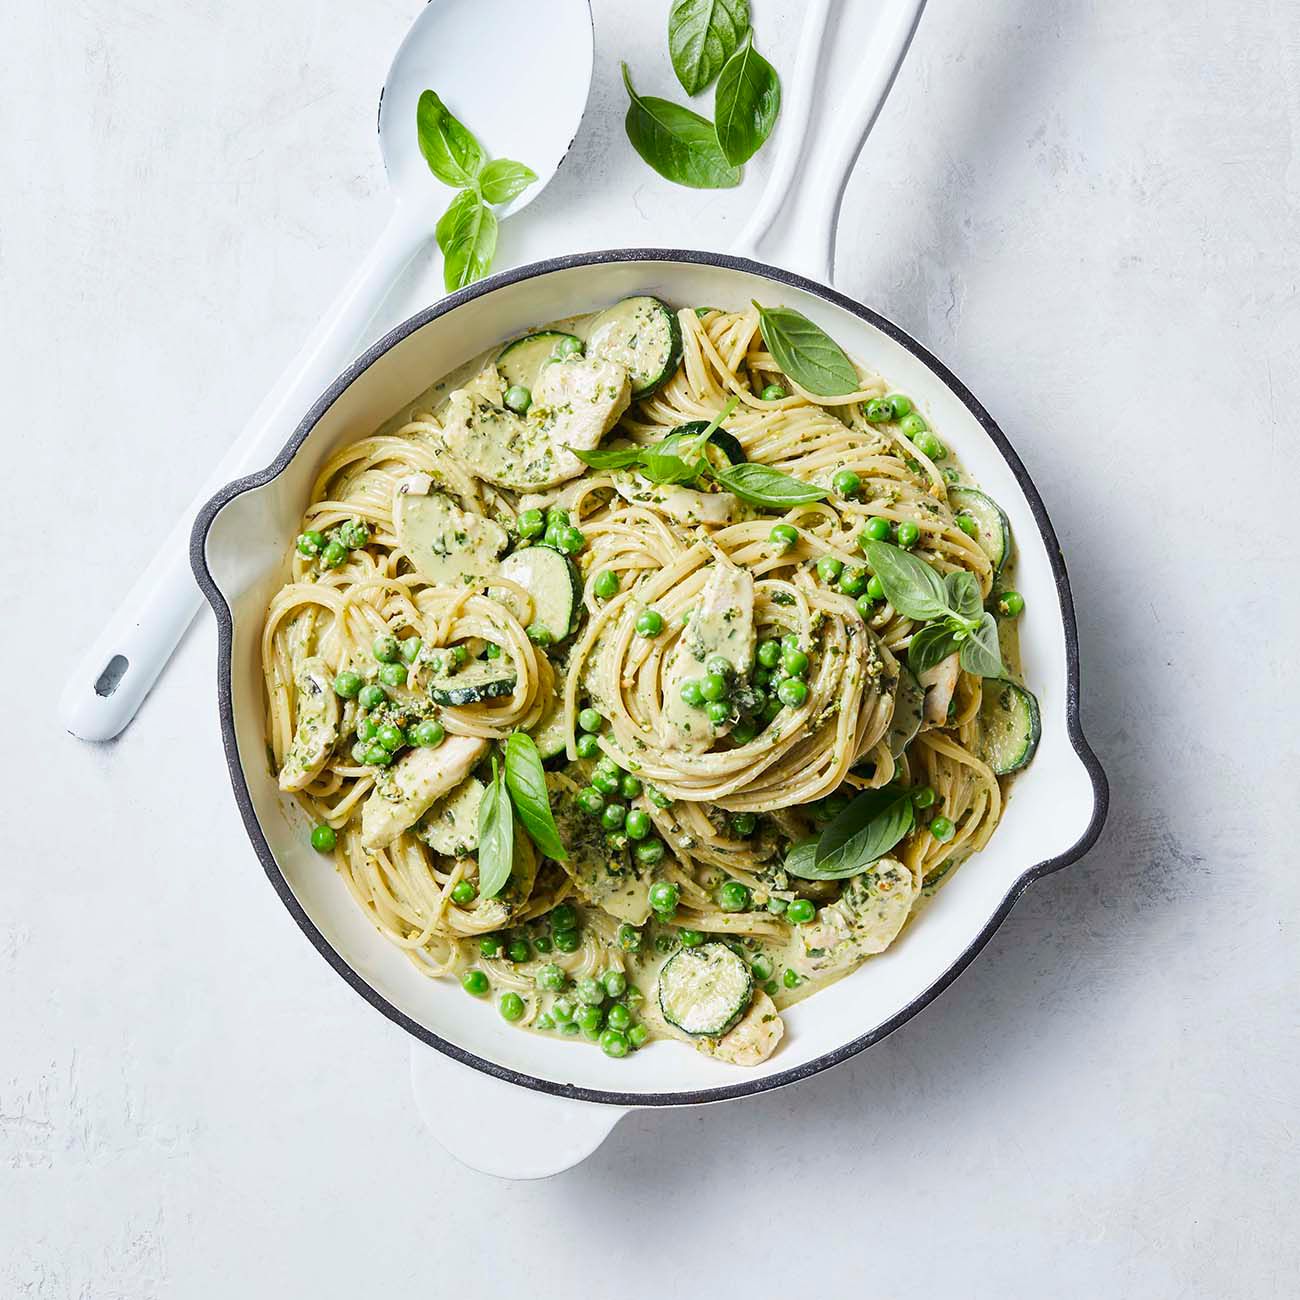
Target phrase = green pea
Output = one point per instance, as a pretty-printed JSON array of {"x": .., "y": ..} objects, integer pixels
[
  {"x": 323, "y": 838},
  {"x": 614, "y": 1044},
  {"x": 463, "y": 893},
  {"x": 354, "y": 534},
  {"x": 769, "y": 653},
  {"x": 392, "y": 737},
  {"x": 567, "y": 941},
  {"x": 530, "y": 524},
  {"x": 630, "y": 786},
  {"x": 790, "y": 979},
  {"x": 590, "y": 992},
  {"x": 912, "y": 424},
  {"x": 899, "y": 405},
  {"x": 657, "y": 797},
  {"x": 800, "y": 911},
  {"x": 371, "y": 697},
  {"x": 615, "y": 983},
  {"x": 771, "y": 709},
  {"x": 310, "y": 543},
  {"x": 923, "y": 797},
  {"x": 853, "y": 582},
  {"x": 475, "y": 982},
  {"x": 428, "y": 734},
  {"x": 511, "y": 1006},
  {"x": 692, "y": 693},
  {"x": 942, "y": 829},
  {"x": 347, "y": 684},
  {"x": 717, "y": 712},
  {"x": 795, "y": 663},
  {"x": 664, "y": 896},
  {"x": 878, "y": 410},
  {"x": 551, "y": 977},
  {"x": 367, "y": 729},
  {"x": 783, "y": 535},
  {"x": 572, "y": 540},
  {"x": 875, "y": 588},
  {"x": 557, "y": 517},
  {"x": 539, "y": 635},
  {"x": 334, "y": 554},
  {"x": 612, "y": 816},
  {"x": 928, "y": 445},
  {"x": 543, "y": 943},
  {"x": 629, "y": 938},
  {"x": 544, "y": 1022},
  {"x": 792, "y": 692},
  {"x": 649, "y": 622},
  {"x": 564, "y": 916},
  {"x": 866, "y": 608},
  {"x": 618, "y": 1017},
  {"x": 690, "y": 938},
  {"x": 589, "y": 719},
  {"x": 568, "y": 347},
  {"x": 762, "y": 967},
  {"x": 590, "y": 800},
  {"x": 606, "y": 584},
  {"x": 518, "y": 950},
  {"x": 714, "y": 687},
  {"x": 877, "y": 529},
  {"x": 638, "y": 1036},
  {"x": 773, "y": 393},
  {"x": 518, "y": 398},
  {"x": 1011, "y": 604},
  {"x": 734, "y": 897},
  {"x": 743, "y": 732},
  {"x": 378, "y": 756},
  {"x": 648, "y": 852},
  {"x": 385, "y": 648},
  {"x": 605, "y": 781},
  {"x": 562, "y": 1009},
  {"x": 392, "y": 674},
  {"x": 554, "y": 536},
  {"x": 908, "y": 535},
  {"x": 743, "y": 825},
  {"x": 490, "y": 945},
  {"x": 587, "y": 746},
  {"x": 637, "y": 824},
  {"x": 829, "y": 568},
  {"x": 846, "y": 483}
]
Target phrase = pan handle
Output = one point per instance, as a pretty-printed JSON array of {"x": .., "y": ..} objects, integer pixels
[{"x": 806, "y": 185}]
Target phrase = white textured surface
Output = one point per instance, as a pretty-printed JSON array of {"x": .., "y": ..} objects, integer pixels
[{"x": 1089, "y": 212}]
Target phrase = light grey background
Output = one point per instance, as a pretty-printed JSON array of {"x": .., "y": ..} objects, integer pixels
[{"x": 1090, "y": 212}]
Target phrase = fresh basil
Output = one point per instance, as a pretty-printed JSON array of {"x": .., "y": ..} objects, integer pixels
[
  {"x": 526, "y": 782},
  {"x": 863, "y": 833},
  {"x": 980, "y": 652},
  {"x": 963, "y": 594},
  {"x": 661, "y": 466},
  {"x": 454, "y": 156},
  {"x": 748, "y": 100},
  {"x": 801, "y": 860},
  {"x": 911, "y": 586},
  {"x": 762, "y": 485},
  {"x": 806, "y": 353},
  {"x": 610, "y": 457},
  {"x": 677, "y": 458},
  {"x": 680, "y": 145},
  {"x": 502, "y": 180},
  {"x": 930, "y": 646},
  {"x": 496, "y": 837},
  {"x": 702, "y": 36},
  {"x": 467, "y": 235}
]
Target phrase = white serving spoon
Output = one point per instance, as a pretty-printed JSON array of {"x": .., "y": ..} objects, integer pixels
[{"x": 486, "y": 59}]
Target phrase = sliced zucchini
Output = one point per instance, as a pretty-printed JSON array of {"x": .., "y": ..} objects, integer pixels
[
  {"x": 909, "y": 704},
  {"x": 993, "y": 531},
  {"x": 551, "y": 579},
  {"x": 1010, "y": 726},
  {"x": 450, "y": 547},
  {"x": 643, "y": 335},
  {"x": 722, "y": 448},
  {"x": 479, "y": 680},
  {"x": 451, "y": 825},
  {"x": 705, "y": 990},
  {"x": 549, "y": 734},
  {"x": 521, "y": 362}
]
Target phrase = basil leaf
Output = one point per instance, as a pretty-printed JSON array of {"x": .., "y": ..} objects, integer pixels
[
  {"x": 526, "y": 782},
  {"x": 451, "y": 151},
  {"x": 749, "y": 98},
  {"x": 807, "y": 353},
  {"x": 865, "y": 831},
  {"x": 610, "y": 457},
  {"x": 980, "y": 652},
  {"x": 496, "y": 837},
  {"x": 663, "y": 467},
  {"x": 502, "y": 180},
  {"x": 467, "y": 235},
  {"x": 702, "y": 36},
  {"x": 800, "y": 860},
  {"x": 963, "y": 594},
  {"x": 680, "y": 145},
  {"x": 761, "y": 485},
  {"x": 930, "y": 646},
  {"x": 911, "y": 586}
]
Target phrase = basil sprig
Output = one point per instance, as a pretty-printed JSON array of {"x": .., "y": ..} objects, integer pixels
[
  {"x": 807, "y": 353},
  {"x": 680, "y": 145},
  {"x": 862, "y": 834},
  {"x": 467, "y": 231},
  {"x": 702, "y": 36},
  {"x": 762, "y": 485},
  {"x": 496, "y": 837},
  {"x": 526, "y": 782},
  {"x": 950, "y": 607},
  {"x": 748, "y": 100}
]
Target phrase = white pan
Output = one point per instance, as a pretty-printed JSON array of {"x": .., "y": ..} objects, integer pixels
[{"x": 557, "y": 1100}]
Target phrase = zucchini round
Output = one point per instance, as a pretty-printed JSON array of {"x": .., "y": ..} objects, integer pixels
[
  {"x": 481, "y": 680},
  {"x": 720, "y": 441},
  {"x": 521, "y": 362},
  {"x": 644, "y": 336},
  {"x": 1010, "y": 726},
  {"x": 703, "y": 991},
  {"x": 450, "y": 827},
  {"x": 909, "y": 707},
  {"x": 993, "y": 530},
  {"x": 552, "y": 580},
  {"x": 549, "y": 733}
]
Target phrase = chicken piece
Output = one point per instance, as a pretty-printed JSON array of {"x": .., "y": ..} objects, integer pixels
[
  {"x": 940, "y": 682},
  {"x": 406, "y": 791},
  {"x": 753, "y": 1038},
  {"x": 316, "y": 728},
  {"x": 865, "y": 919},
  {"x": 683, "y": 505}
]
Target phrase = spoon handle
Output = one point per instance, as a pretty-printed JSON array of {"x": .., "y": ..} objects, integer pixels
[{"x": 117, "y": 672}]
